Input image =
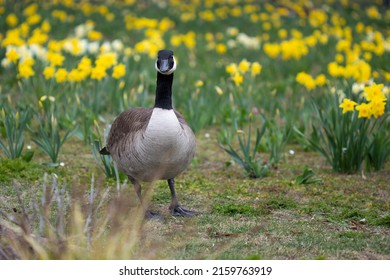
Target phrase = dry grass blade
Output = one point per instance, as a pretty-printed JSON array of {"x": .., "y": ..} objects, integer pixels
[{"x": 90, "y": 225}]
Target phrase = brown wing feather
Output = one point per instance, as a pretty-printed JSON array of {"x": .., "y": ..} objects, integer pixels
[
  {"x": 181, "y": 119},
  {"x": 127, "y": 123}
]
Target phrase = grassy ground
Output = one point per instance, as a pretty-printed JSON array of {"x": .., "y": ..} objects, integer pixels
[{"x": 342, "y": 217}]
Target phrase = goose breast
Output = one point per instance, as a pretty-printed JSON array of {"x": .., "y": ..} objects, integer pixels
[{"x": 159, "y": 149}]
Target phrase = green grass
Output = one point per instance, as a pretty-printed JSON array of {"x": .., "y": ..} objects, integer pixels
[{"x": 344, "y": 217}]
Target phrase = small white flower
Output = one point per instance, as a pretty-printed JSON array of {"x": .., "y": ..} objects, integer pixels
[
  {"x": 218, "y": 90},
  {"x": 232, "y": 31},
  {"x": 357, "y": 87},
  {"x": 340, "y": 93},
  {"x": 386, "y": 90},
  {"x": 370, "y": 36},
  {"x": 28, "y": 147},
  {"x": 386, "y": 46},
  {"x": 68, "y": 46},
  {"x": 25, "y": 53},
  {"x": 231, "y": 44},
  {"x": 248, "y": 42},
  {"x": 93, "y": 48},
  {"x": 62, "y": 164},
  {"x": 81, "y": 31},
  {"x": 291, "y": 152},
  {"x": 5, "y": 63},
  {"x": 207, "y": 135},
  {"x": 38, "y": 51},
  {"x": 137, "y": 57},
  {"x": 117, "y": 45},
  {"x": 106, "y": 47},
  {"x": 83, "y": 45}
]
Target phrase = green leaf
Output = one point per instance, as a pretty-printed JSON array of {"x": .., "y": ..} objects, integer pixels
[
  {"x": 28, "y": 156},
  {"x": 308, "y": 177}
]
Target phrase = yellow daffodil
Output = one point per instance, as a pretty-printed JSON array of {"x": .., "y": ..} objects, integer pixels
[
  {"x": 55, "y": 46},
  {"x": 374, "y": 92},
  {"x": 85, "y": 65},
  {"x": 76, "y": 75},
  {"x": 377, "y": 107},
  {"x": 347, "y": 105},
  {"x": 317, "y": 18},
  {"x": 61, "y": 75},
  {"x": 255, "y": 69},
  {"x": 30, "y": 9},
  {"x": 238, "y": 79},
  {"x": 34, "y": 19},
  {"x": 11, "y": 20},
  {"x": 12, "y": 55},
  {"x": 94, "y": 35},
  {"x": 364, "y": 110},
  {"x": 46, "y": 27},
  {"x": 335, "y": 70},
  {"x": 60, "y": 15},
  {"x": 221, "y": 48},
  {"x": 55, "y": 59},
  {"x": 13, "y": 38},
  {"x": 106, "y": 60},
  {"x": 282, "y": 33},
  {"x": 38, "y": 37},
  {"x": 320, "y": 80},
  {"x": 372, "y": 12},
  {"x": 119, "y": 71},
  {"x": 98, "y": 72},
  {"x": 231, "y": 69},
  {"x": 49, "y": 72},
  {"x": 176, "y": 40},
  {"x": 25, "y": 70},
  {"x": 29, "y": 61},
  {"x": 272, "y": 50},
  {"x": 199, "y": 83},
  {"x": 306, "y": 80},
  {"x": 244, "y": 66}
]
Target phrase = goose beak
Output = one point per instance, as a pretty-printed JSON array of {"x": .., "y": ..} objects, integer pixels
[{"x": 164, "y": 65}]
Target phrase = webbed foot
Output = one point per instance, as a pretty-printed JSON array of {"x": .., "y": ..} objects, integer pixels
[{"x": 179, "y": 211}]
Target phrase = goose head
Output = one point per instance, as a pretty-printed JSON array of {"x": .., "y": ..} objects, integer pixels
[{"x": 165, "y": 63}]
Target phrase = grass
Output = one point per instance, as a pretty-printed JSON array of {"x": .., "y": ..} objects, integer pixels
[{"x": 343, "y": 217}]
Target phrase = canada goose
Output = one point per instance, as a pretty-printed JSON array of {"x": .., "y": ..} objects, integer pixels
[{"x": 149, "y": 144}]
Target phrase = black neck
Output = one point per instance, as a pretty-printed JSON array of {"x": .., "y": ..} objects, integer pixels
[{"x": 164, "y": 91}]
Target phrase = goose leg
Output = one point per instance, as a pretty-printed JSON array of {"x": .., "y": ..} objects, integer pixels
[
  {"x": 175, "y": 207},
  {"x": 137, "y": 187}
]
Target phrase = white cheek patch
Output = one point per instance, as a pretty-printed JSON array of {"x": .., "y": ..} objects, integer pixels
[
  {"x": 170, "y": 71},
  {"x": 173, "y": 67},
  {"x": 155, "y": 66}
]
